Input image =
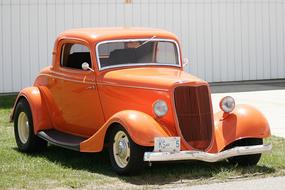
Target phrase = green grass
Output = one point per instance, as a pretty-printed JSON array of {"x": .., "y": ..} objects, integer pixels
[{"x": 60, "y": 168}]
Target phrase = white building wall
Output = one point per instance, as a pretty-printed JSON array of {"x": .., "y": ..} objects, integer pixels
[{"x": 228, "y": 40}]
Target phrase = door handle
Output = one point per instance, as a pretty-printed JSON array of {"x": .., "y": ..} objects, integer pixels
[{"x": 93, "y": 87}]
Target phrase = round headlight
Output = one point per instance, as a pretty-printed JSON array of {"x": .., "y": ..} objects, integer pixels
[
  {"x": 227, "y": 104},
  {"x": 160, "y": 108}
]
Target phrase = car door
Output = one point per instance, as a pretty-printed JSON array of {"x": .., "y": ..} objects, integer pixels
[{"x": 75, "y": 92}]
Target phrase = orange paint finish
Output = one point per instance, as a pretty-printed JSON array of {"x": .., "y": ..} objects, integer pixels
[
  {"x": 141, "y": 127},
  {"x": 244, "y": 122},
  {"x": 87, "y": 103},
  {"x": 41, "y": 119},
  {"x": 152, "y": 77},
  {"x": 138, "y": 88}
]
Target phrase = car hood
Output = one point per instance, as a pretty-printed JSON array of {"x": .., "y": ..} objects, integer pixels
[{"x": 149, "y": 77}]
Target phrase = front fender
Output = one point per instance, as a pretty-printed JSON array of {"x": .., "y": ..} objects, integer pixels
[
  {"x": 141, "y": 127},
  {"x": 38, "y": 107},
  {"x": 244, "y": 122}
]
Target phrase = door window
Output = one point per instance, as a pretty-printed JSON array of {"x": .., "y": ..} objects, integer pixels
[{"x": 73, "y": 55}]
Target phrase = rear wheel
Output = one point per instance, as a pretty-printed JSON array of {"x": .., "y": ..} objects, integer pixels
[
  {"x": 246, "y": 160},
  {"x": 125, "y": 155},
  {"x": 26, "y": 140}
]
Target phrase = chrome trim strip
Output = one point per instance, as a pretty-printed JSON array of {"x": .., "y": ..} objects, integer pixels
[
  {"x": 139, "y": 64},
  {"x": 204, "y": 156},
  {"x": 62, "y": 77}
]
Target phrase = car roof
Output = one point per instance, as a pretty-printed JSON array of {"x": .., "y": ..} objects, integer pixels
[{"x": 102, "y": 34}]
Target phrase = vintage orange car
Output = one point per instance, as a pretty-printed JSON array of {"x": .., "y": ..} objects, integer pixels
[{"x": 125, "y": 89}]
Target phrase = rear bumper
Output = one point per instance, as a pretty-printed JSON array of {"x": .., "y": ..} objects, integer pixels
[{"x": 204, "y": 156}]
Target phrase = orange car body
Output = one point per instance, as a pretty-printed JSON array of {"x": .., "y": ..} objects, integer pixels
[{"x": 88, "y": 104}]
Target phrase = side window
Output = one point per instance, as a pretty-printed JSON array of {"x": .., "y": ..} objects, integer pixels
[{"x": 73, "y": 55}]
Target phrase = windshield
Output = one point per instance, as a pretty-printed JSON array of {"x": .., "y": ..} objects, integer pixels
[{"x": 137, "y": 52}]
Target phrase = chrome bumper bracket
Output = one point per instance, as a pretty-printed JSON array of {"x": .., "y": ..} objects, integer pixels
[{"x": 204, "y": 156}]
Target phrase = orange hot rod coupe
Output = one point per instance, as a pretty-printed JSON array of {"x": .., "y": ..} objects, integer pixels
[{"x": 125, "y": 89}]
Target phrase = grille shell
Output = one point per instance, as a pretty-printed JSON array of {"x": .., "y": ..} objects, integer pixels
[{"x": 194, "y": 114}]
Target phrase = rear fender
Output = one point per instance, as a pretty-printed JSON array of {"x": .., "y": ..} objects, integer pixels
[
  {"x": 244, "y": 122},
  {"x": 38, "y": 107},
  {"x": 141, "y": 127}
]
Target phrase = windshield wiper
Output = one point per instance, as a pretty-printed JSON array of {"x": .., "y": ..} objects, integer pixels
[{"x": 146, "y": 42}]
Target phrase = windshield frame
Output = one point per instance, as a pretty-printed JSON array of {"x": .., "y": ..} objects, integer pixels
[{"x": 137, "y": 64}]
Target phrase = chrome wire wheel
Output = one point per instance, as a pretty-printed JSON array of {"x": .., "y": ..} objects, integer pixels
[
  {"x": 121, "y": 149},
  {"x": 23, "y": 127}
]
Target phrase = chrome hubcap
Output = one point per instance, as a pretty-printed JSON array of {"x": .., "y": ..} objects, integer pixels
[
  {"x": 23, "y": 127},
  {"x": 121, "y": 149}
]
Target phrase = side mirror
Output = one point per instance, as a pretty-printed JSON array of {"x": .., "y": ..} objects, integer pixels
[
  {"x": 185, "y": 62},
  {"x": 85, "y": 67}
]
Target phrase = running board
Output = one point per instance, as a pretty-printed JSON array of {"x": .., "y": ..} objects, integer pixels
[{"x": 61, "y": 139}]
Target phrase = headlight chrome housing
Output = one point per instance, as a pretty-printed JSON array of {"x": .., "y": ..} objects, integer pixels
[
  {"x": 227, "y": 104},
  {"x": 160, "y": 108}
]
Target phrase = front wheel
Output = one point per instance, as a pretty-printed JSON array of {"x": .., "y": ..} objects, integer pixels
[
  {"x": 126, "y": 156},
  {"x": 246, "y": 160},
  {"x": 26, "y": 140}
]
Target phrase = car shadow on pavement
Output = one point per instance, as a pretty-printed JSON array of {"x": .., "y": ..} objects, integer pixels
[{"x": 157, "y": 174}]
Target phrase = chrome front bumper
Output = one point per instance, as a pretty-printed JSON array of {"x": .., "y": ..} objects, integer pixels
[{"x": 204, "y": 156}]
